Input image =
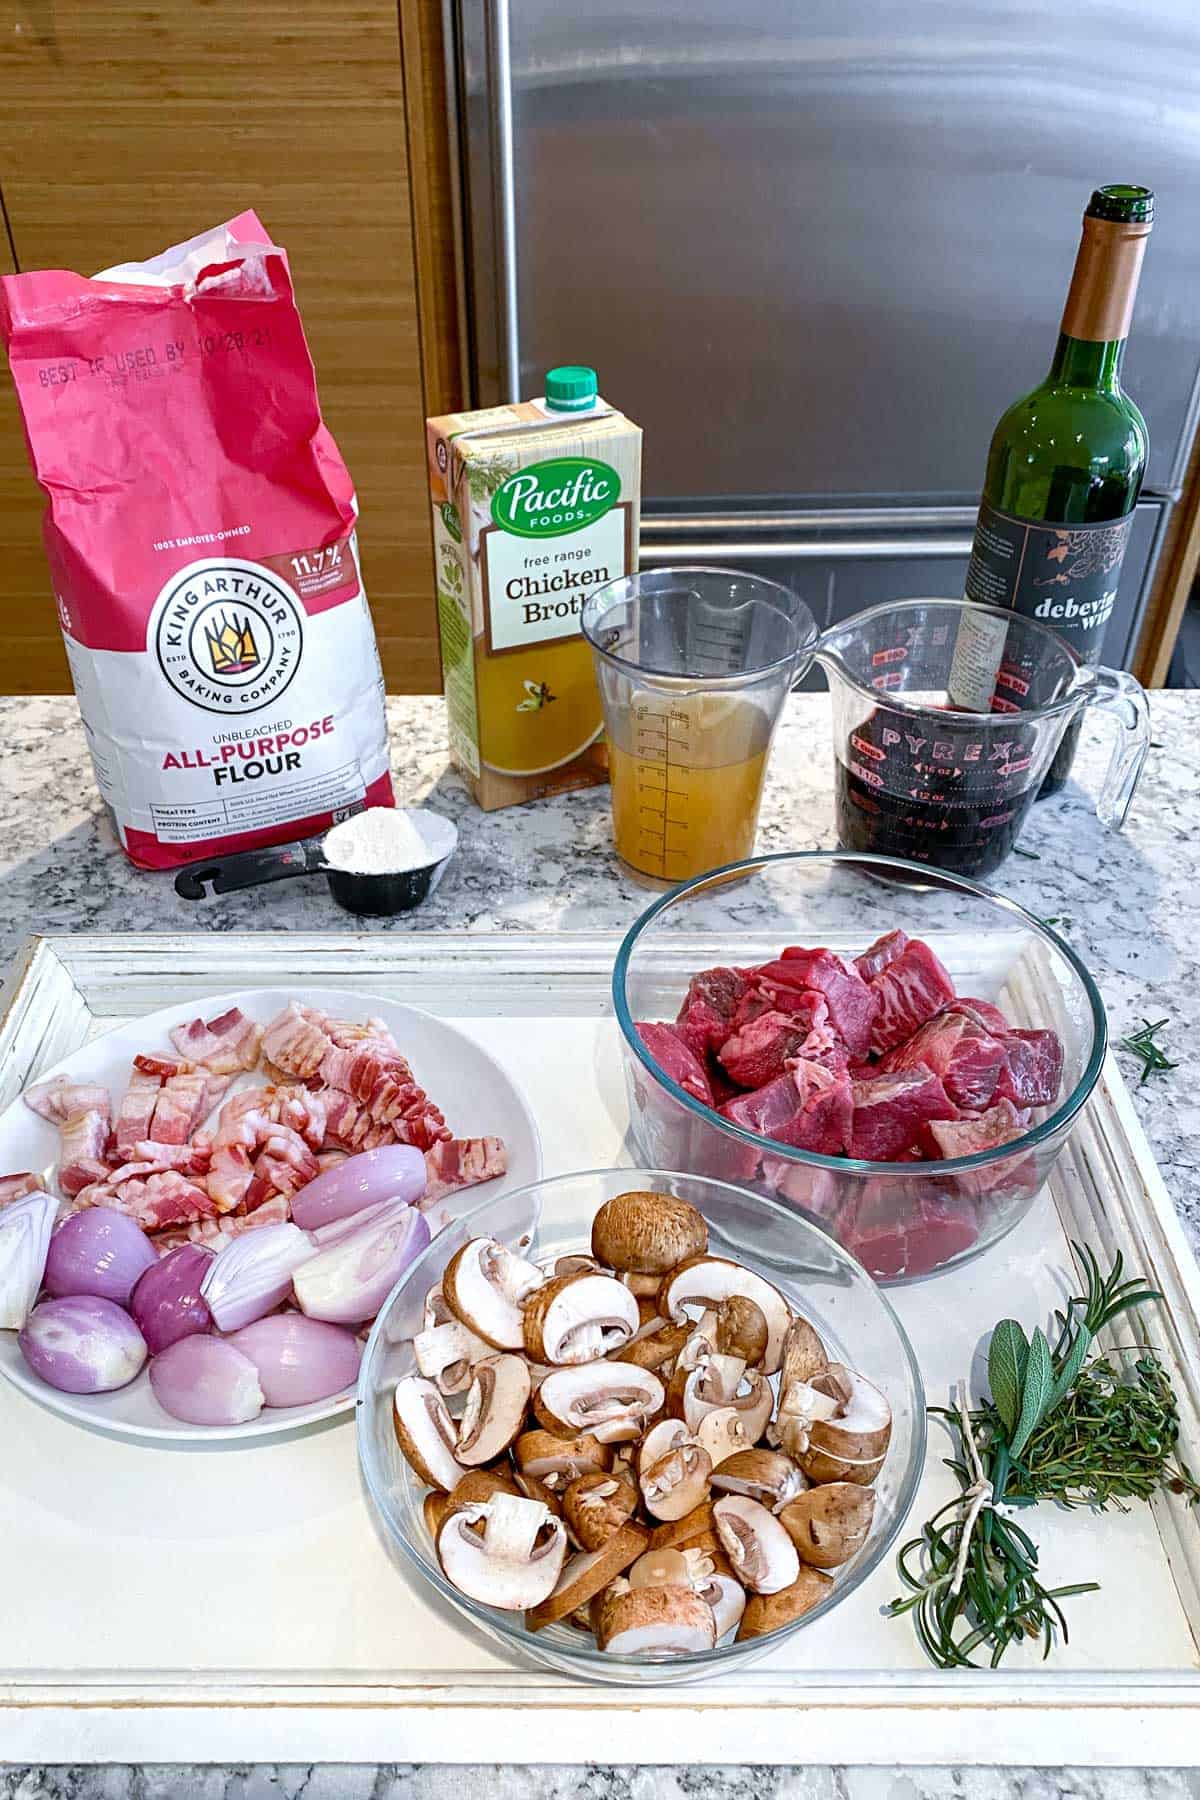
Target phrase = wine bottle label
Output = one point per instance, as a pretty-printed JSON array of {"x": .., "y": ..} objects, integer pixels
[{"x": 1064, "y": 575}]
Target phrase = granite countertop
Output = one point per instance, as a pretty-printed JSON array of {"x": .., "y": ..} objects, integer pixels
[{"x": 1126, "y": 902}]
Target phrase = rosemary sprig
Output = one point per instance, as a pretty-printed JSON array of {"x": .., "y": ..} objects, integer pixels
[
  {"x": 1141, "y": 1043},
  {"x": 1059, "y": 1425}
]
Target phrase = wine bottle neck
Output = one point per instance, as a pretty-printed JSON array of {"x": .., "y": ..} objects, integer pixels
[{"x": 1087, "y": 362}]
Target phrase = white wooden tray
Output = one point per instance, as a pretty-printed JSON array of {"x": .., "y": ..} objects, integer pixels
[{"x": 166, "y": 1605}]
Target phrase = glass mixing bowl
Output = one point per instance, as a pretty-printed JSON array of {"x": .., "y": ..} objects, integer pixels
[
  {"x": 554, "y": 1218},
  {"x": 901, "y": 1220}
]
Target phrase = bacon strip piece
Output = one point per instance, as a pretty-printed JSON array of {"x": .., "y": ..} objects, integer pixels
[
  {"x": 166, "y": 1198},
  {"x": 456, "y": 1163},
  {"x": 62, "y": 1098},
  {"x": 15, "y": 1187},
  {"x": 295, "y": 1043},
  {"x": 224, "y": 1046}
]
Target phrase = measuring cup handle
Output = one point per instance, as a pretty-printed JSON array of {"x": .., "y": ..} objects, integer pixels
[
  {"x": 1113, "y": 691},
  {"x": 249, "y": 868}
]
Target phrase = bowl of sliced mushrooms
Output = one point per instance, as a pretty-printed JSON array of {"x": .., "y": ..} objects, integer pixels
[{"x": 638, "y": 1425}]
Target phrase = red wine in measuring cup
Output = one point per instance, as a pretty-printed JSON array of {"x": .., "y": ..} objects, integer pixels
[{"x": 948, "y": 794}]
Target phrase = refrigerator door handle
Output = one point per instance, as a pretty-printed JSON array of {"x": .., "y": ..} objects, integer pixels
[
  {"x": 498, "y": 53},
  {"x": 831, "y": 549}
]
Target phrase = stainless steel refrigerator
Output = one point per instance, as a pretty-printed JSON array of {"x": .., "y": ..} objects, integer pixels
[{"x": 815, "y": 247}]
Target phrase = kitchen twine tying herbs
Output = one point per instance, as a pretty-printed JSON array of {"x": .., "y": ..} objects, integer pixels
[{"x": 1061, "y": 1424}]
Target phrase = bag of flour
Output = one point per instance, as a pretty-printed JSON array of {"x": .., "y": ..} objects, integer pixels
[{"x": 200, "y": 532}]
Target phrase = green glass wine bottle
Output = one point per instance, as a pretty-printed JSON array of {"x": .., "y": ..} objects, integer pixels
[{"x": 1066, "y": 462}]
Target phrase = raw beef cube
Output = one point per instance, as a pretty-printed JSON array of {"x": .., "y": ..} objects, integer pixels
[
  {"x": 817, "y": 1190},
  {"x": 824, "y": 1046},
  {"x": 808, "y": 1108},
  {"x": 890, "y": 1110},
  {"x": 883, "y": 951},
  {"x": 895, "y": 1233},
  {"x": 911, "y": 988},
  {"x": 760, "y": 1051},
  {"x": 852, "y": 1005},
  {"x": 985, "y": 1013},
  {"x": 967, "y": 1137},
  {"x": 967, "y": 1058},
  {"x": 706, "y": 1016},
  {"x": 666, "y": 1045},
  {"x": 753, "y": 1003},
  {"x": 1032, "y": 1072}
]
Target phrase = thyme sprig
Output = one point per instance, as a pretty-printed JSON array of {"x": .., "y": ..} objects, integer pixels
[
  {"x": 1061, "y": 1425},
  {"x": 1141, "y": 1043}
]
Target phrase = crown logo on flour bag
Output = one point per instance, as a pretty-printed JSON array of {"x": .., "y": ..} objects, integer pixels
[{"x": 216, "y": 625}]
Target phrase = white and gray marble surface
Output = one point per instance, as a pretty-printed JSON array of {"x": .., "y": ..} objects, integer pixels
[{"x": 1130, "y": 904}]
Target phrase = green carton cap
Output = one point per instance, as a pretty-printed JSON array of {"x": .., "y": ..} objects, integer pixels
[
  {"x": 571, "y": 388},
  {"x": 1124, "y": 203}
]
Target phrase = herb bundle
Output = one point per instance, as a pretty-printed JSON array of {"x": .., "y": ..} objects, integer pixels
[{"x": 1061, "y": 1425}]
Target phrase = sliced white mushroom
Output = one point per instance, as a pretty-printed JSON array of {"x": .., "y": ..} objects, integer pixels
[
  {"x": 804, "y": 1354},
  {"x": 701, "y": 1342},
  {"x": 800, "y": 1406},
  {"x": 765, "y": 1475},
  {"x": 677, "y": 1482},
  {"x": 446, "y": 1352},
  {"x": 829, "y": 1524},
  {"x": 575, "y": 1265},
  {"x": 723, "y": 1434},
  {"x": 486, "y": 1286},
  {"x": 742, "y": 1329},
  {"x": 576, "y": 1318},
  {"x": 662, "y": 1438},
  {"x": 658, "y": 1622},
  {"x": 766, "y": 1613},
  {"x": 764, "y": 1557},
  {"x": 847, "y": 1442},
  {"x": 425, "y": 1431},
  {"x": 495, "y": 1409},
  {"x": 612, "y": 1400},
  {"x": 706, "y": 1281},
  {"x": 513, "y": 1562},
  {"x": 696, "y": 1530},
  {"x": 584, "y": 1576},
  {"x": 718, "y": 1383},
  {"x": 596, "y": 1506},
  {"x": 656, "y": 1348},
  {"x": 554, "y": 1459},
  {"x": 726, "y": 1598},
  {"x": 647, "y": 1233}
]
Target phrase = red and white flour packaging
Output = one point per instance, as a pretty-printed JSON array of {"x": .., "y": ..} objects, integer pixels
[{"x": 200, "y": 532}]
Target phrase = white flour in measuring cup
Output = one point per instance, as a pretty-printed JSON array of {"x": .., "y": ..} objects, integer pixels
[
  {"x": 380, "y": 841},
  {"x": 200, "y": 528}
]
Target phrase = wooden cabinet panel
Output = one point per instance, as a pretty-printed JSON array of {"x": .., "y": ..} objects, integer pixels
[{"x": 127, "y": 127}]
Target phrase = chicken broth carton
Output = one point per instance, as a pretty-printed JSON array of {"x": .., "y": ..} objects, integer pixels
[{"x": 535, "y": 505}]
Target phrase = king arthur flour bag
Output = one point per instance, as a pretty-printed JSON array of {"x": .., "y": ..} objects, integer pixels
[{"x": 200, "y": 532}]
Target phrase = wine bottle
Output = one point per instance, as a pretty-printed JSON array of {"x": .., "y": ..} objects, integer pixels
[{"x": 1064, "y": 471}]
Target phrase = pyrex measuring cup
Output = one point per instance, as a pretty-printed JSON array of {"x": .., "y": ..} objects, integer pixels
[
  {"x": 916, "y": 778},
  {"x": 693, "y": 665}
]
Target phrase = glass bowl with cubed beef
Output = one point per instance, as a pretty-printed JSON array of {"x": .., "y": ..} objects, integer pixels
[{"x": 897, "y": 1052}]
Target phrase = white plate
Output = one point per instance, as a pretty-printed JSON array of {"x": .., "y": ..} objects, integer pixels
[{"x": 477, "y": 1096}]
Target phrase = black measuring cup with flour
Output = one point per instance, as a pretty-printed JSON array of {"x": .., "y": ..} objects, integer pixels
[{"x": 377, "y": 862}]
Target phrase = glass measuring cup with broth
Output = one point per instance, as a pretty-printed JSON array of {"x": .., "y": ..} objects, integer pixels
[{"x": 693, "y": 665}]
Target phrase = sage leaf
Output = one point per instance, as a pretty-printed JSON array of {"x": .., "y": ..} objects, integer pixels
[
  {"x": 1007, "y": 1357},
  {"x": 1069, "y": 1373},
  {"x": 1035, "y": 1391}
]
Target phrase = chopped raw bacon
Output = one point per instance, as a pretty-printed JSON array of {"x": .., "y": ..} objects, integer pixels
[
  {"x": 229, "y": 1175},
  {"x": 161, "y": 1066},
  {"x": 180, "y": 1107},
  {"x": 303, "y": 1110},
  {"x": 456, "y": 1163},
  {"x": 224, "y": 1046},
  {"x": 136, "y": 1109},
  {"x": 15, "y": 1187},
  {"x": 167, "y": 1198},
  {"x": 61, "y": 1099},
  {"x": 329, "y": 1159},
  {"x": 295, "y": 1043},
  {"x": 192, "y": 1158},
  {"x": 83, "y": 1136}
]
